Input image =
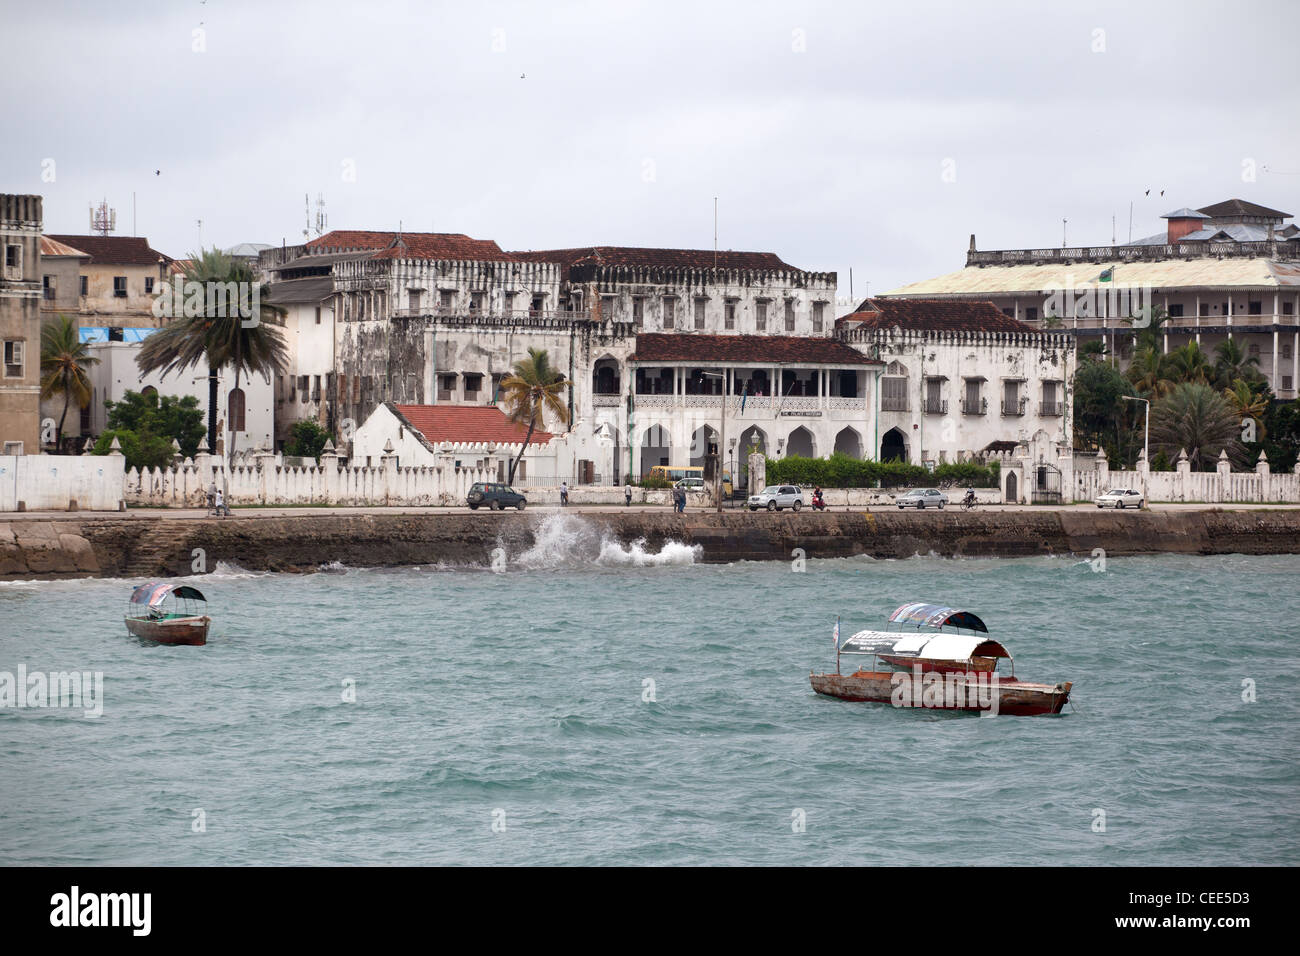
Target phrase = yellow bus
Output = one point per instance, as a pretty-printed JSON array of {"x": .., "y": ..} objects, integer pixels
[{"x": 674, "y": 475}]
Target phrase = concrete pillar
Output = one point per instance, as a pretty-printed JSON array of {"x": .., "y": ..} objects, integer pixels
[
  {"x": 1103, "y": 471},
  {"x": 1224, "y": 469},
  {"x": 1262, "y": 469},
  {"x": 329, "y": 467},
  {"x": 758, "y": 472},
  {"x": 1183, "y": 475},
  {"x": 388, "y": 473}
]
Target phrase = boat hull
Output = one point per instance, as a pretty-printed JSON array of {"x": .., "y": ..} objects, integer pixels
[
  {"x": 1014, "y": 697},
  {"x": 182, "y": 630}
]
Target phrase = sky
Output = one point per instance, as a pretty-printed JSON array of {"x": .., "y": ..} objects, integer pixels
[{"x": 872, "y": 137}]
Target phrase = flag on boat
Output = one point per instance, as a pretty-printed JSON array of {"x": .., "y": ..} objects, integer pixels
[{"x": 837, "y": 633}]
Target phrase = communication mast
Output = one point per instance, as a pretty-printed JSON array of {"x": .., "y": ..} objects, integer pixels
[
  {"x": 318, "y": 222},
  {"x": 103, "y": 220}
]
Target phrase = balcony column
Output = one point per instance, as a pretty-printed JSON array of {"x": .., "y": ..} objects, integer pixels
[
  {"x": 1229, "y": 315},
  {"x": 1274, "y": 381}
]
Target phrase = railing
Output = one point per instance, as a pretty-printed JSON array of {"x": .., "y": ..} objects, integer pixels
[
  {"x": 977, "y": 407},
  {"x": 1184, "y": 323},
  {"x": 844, "y": 402},
  {"x": 1016, "y": 408},
  {"x": 935, "y": 406},
  {"x": 1052, "y": 409},
  {"x": 1176, "y": 250},
  {"x": 610, "y": 400},
  {"x": 490, "y": 315}
]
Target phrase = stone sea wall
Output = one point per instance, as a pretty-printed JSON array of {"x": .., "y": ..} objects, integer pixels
[{"x": 141, "y": 547}]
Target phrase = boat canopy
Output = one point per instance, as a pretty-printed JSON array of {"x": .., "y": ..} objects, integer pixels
[
  {"x": 154, "y": 593},
  {"x": 936, "y": 615},
  {"x": 929, "y": 647}
]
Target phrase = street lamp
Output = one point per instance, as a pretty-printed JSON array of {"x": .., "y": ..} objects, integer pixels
[{"x": 722, "y": 437}]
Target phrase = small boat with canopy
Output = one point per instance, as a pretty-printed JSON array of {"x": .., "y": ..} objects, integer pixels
[
  {"x": 937, "y": 657},
  {"x": 168, "y": 613}
]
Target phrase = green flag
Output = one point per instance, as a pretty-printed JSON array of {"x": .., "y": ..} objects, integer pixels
[{"x": 1107, "y": 276}]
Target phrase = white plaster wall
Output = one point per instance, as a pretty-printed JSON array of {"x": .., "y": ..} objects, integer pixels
[{"x": 51, "y": 482}]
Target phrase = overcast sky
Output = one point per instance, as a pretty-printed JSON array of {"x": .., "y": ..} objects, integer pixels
[{"x": 872, "y": 136}]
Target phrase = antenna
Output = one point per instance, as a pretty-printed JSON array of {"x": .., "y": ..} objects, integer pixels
[
  {"x": 1063, "y": 242},
  {"x": 322, "y": 220},
  {"x": 850, "y": 283},
  {"x": 715, "y": 233},
  {"x": 1112, "y": 230},
  {"x": 103, "y": 220},
  {"x": 1130, "y": 222}
]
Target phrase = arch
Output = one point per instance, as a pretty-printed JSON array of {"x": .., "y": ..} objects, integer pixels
[
  {"x": 893, "y": 446},
  {"x": 656, "y": 447},
  {"x": 149, "y": 392},
  {"x": 752, "y": 437},
  {"x": 605, "y": 378},
  {"x": 1012, "y": 497},
  {"x": 801, "y": 442},
  {"x": 849, "y": 442},
  {"x": 897, "y": 369},
  {"x": 704, "y": 441}
]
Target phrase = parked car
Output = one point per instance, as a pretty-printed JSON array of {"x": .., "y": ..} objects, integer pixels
[
  {"x": 1120, "y": 498},
  {"x": 921, "y": 498},
  {"x": 494, "y": 496},
  {"x": 695, "y": 485},
  {"x": 776, "y": 497}
]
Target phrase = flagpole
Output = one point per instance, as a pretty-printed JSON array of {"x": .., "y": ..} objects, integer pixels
[{"x": 837, "y": 644}]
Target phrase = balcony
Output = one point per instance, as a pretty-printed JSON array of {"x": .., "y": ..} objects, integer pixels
[
  {"x": 1052, "y": 409},
  {"x": 978, "y": 407},
  {"x": 1014, "y": 409},
  {"x": 936, "y": 406}
]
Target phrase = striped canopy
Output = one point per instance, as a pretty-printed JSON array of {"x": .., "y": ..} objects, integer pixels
[
  {"x": 936, "y": 615},
  {"x": 154, "y": 593}
]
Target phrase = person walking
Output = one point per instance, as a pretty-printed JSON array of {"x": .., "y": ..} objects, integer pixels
[
  {"x": 564, "y": 494},
  {"x": 627, "y": 496},
  {"x": 221, "y": 504}
]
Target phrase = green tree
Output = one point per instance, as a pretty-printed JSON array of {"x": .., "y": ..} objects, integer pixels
[
  {"x": 218, "y": 335},
  {"x": 1198, "y": 419},
  {"x": 65, "y": 364},
  {"x": 169, "y": 417},
  {"x": 1190, "y": 365},
  {"x": 533, "y": 388},
  {"x": 1231, "y": 363},
  {"x": 1100, "y": 412},
  {"x": 141, "y": 451},
  {"x": 306, "y": 439}
]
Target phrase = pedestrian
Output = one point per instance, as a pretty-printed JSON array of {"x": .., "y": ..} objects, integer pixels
[
  {"x": 627, "y": 496},
  {"x": 564, "y": 494},
  {"x": 212, "y": 496},
  {"x": 221, "y": 503}
]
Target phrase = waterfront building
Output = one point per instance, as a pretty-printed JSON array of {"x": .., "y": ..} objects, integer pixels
[
  {"x": 116, "y": 282},
  {"x": 20, "y": 324},
  {"x": 1229, "y": 270}
]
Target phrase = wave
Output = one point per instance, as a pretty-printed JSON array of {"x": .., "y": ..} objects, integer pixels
[{"x": 563, "y": 540}]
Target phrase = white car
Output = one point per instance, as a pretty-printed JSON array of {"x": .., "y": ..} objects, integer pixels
[
  {"x": 692, "y": 484},
  {"x": 922, "y": 498},
  {"x": 1120, "y": 498},
  {"x": 776, "y": 497}
]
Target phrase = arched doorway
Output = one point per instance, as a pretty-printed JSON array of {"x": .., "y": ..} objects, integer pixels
[
  {"x": 801, "y": 443},
  {"x": 752, "y": 438},
  {"x": 655, "y": 448},
  {"x": 704, "y": 444},
  {"x": 1012, "y": 497},
  {"x": 893, "y": 447},
  {"x": 848, "y": 442}
]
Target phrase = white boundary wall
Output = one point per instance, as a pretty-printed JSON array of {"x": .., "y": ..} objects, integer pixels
[{"x": 54, "y": 482}]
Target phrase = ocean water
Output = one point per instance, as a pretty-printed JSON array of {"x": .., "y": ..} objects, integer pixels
[{"x": 502, "y": 718}]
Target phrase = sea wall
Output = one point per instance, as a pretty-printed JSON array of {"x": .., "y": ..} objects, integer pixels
[{"x": 137, "y": 547}]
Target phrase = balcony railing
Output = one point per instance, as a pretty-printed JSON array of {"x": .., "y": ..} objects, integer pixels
[
  {"x": 1173, "y": 250},
  {"x": 753, "y": 405},
  {"x": 1015, "y": 408},
  {"x": 936, "y": 406},
  {"x": 606, "y": 400},
  {"x": 1052, "y": 409},
  {"x": 978, "y": 407}
]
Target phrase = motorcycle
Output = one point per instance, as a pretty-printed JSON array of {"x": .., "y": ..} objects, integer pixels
[{"x": 818, "y": 503}]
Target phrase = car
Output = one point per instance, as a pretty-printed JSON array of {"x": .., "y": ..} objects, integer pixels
[
  {"x": 1120, "y": 498},
  {"x": 495, "y": 496},
  {"x": 776, "y": 497},
  {"x": 921, "y": 498},
  {"x": 696, "y": 485}
]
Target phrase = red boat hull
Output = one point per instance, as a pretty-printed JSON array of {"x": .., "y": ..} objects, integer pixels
[{"x": 1014, "y": 697}]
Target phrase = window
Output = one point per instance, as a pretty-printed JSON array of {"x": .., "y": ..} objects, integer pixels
[
  {"x": 819, "y": 317},
  {"x": 1205, "y": 308},
  {"x": 235, "y": 405},
  {"x": 318, "y": 315},
  {"x": 973, "y": 405},
  {"x": 1176, "y": 310},
  {"x": 413, "y": 297},
  {"x": 1286, "y": 350},
  {"x": 85, "y": 285},
  {"x": 315, "y": 388},
  {"x": 1288, "y": 308},
  {"x": 638, "y": 311},
  {"x": 539, "y": 302},
  {"x": 729, "y": 316},
  {"x": 476, "y": 301},
  {"x": 670, "y": 311},
  {"x": 119, "y": 286},
  {"x": 446, "y": 297},
  {"x": 1031, "y": 313},
  {"x": 1010, "y": 398},
  {"x": 14, "y": 358},
  {"x": 302, "y": 388},
  {"x": 1286, "y": 383},
  {"x": 1254, "y": 351},
  {"x": 1255, "y": 307},
  {"x": 789, "y": 315},
  {"x": 48, "y": 287},
  {"x": 356, "y": 389},
  {"x": 699, "y": 312},
  {"x": 507, "y": 302},
  {"x": 607, "y": 307},
  {"x": 760, "y": 315},
  {"x": 13, "y": 262},
  {"x": 1009, "y": 312},
  {"x": 148, "y": 285},
  {"x": 473, "y": 383},
  {"x": 893, "y": 394}
]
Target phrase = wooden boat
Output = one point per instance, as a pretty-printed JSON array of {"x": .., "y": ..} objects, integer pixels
[
  {"x": 928, "y": 666},
  {"x": 168, "y": 614}
]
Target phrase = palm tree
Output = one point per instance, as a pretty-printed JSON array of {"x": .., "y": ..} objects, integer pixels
[
  {"x": 1149, "y": 372},
  {"x": 1190, "y": 365},
  {"x": 1195, "y": 417},
  {"x": 1231, "y": 363},
  {"x": 64, "y": 364},
  {"x": 1092, "y": 350},
  {"x": 1148, "y": 336},
  {"x": 218, "y": 335},
  {"x": 1248, "y": 404},
  {"x": 532, "y": 389}
]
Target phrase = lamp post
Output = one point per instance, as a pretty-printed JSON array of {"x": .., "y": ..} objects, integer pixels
[{"x": 722, "y": 437}]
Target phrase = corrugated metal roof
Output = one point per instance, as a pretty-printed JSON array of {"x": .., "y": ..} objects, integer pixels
[
  {"x": 1185, "y": 213},
  {"x": 1204, "y": 273},
  {"x": 301, "y": 290},
  {"x": 52, "y": 247}
]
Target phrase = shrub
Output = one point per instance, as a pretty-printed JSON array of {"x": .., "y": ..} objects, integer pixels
[
  {"x": 140, "y": 451},
  {"x": 306, "y": 440},
  {"x": 843, "y": 471}
]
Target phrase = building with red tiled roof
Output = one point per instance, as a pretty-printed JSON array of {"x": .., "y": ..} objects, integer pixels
[
  {"x": 114, "y": 282},
  {"x": 409, "y": 245},
  {"x": 465, "y": 424},
  {"x": 936, "y": 315}
]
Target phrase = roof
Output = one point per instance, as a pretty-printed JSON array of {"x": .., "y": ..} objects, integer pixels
[
  {"x": 411, "y": 245},
  {"x": 941, "y": 315},
  {"x": 1184, "y": 213},
  {"x": 154, "y": 593},
  {"x": 464, "y": 423},
  {"x": 923, "y": 645},
  {"x": 649, "y": 258},
  {"x": 51, "y": 247},
  {"x": 1203, "y": 272},
  {"x": 936, "y": 615},
  {"x": 114, "y": 250},
  {"x": 1240, "y": 207},
  {"x": 309, "y": 291},
  {"x": 781, "y": 349}
]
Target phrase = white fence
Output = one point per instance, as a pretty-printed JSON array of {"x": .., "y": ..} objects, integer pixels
[
  {"x": 61, "y": 482},
  {"x": 1182, "y": 484}
]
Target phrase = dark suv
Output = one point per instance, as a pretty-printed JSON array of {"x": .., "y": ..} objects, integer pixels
[{"x": 495, "y": 496}]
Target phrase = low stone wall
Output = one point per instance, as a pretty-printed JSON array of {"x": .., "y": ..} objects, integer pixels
[{"x": 133, "y": 547}]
